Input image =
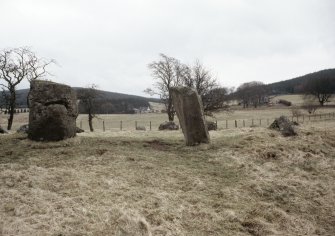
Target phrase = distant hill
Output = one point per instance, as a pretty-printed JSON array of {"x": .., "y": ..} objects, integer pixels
[
  {"x": 294, "y": 86},
  {"x": 112, "y": 102}
]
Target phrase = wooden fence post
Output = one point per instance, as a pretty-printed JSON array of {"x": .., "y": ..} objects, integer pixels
[
  {"x": 226, "y": 124},
  {"x": 243, "y": 123},
  {"x": 235, "y": 123},
  {"x": 121, "y": 125},
  {"x": 81, "y": 124},
  {"x": 103, "y": 126},
  {"x": 260, "y": 122},
  {"x": 150, "y": 125}
]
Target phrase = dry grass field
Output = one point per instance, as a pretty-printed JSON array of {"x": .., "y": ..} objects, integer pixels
[
  {"x": 112, "y": 122},
  {"x": 297, "y": 100},
  {"x": 248, "y": 181}
]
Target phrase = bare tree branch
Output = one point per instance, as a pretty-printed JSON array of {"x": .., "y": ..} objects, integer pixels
[{"x": 16, "y": 65}]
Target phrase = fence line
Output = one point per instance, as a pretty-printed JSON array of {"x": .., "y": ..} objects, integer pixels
[{"x": 108, "y": 125}]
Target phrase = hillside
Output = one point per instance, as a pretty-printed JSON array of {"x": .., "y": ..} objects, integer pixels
[
  {"x": 294, "y": 86},
  {"x": 113, "y": 102}
]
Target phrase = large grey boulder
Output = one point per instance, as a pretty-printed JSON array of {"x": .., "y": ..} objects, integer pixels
[
  {"x": 168, "y": 125},
  {"x": 211, "y": 125},
  {"x": 189, "y": 109},
  {"x": 53, "y": 111},
  {"x": 23, "y": 129},
  {"x": 79, "y": 130}
]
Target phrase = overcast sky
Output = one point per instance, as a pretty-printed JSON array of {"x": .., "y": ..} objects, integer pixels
[{"x": 111, "y": 42}]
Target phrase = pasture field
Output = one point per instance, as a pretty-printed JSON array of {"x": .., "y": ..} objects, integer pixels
[
  {"x": 248, "y": 181},
  {"x": 113, "y": 121},
  {"x": 266, "y": 114},
  {"x": 297, "y": 100}
]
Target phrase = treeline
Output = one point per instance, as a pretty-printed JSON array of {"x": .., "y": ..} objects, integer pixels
[
  {"x": 105, "y": 103},
  {"x": 114, "y": 106},
  {"x": 317, "y": 87},
  {"x": 296, "y": 85}
]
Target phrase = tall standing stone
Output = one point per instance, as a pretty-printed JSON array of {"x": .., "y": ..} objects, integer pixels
[
  {"x": 53, "y": 111},
  {"x": 189, "y": 109}
]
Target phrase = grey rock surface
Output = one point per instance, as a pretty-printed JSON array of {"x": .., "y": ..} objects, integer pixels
[
  {"x": 211, "y": 125},
  {"x": 189, "y": 109},
  {"x": 168, "y": 125},
  {"x": 53, "y": 111},
  {"x": 23, "y": 129}
]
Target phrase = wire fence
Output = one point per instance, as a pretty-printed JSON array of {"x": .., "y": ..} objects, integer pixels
[{"x": 149, "y": 125}]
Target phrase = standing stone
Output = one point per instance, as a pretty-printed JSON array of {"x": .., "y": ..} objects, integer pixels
[
  {"x": 188, "y": 106},
  {"x": 53, "y": 111}
]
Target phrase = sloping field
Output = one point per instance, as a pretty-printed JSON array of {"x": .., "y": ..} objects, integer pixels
[
  {"x": 248, "y": 181},
  {"x": 297, "y": 100}
]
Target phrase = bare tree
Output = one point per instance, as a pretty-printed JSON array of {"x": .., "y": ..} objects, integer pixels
[
  {"x": 296, "y": 112},
  {"x": 321, "y": 88},
  {"x": 215, "y": 99},
  {"x": 16, "y": 65},
  {"x": 251, "y": 93},
  {"x": 170, "y": 72},
  {"x": 202, "y": 79},
  {"x": 167, "y": 74},
  {"x": 310, "y": 105},
  {"x": 87, "y": 97},
  {"x": 213, "y": 96}
]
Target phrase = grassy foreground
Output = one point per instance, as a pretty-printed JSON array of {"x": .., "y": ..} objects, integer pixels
[{"x": 249, "y": 181}]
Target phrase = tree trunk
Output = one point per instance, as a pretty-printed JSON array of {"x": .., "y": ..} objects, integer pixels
[
  {"x": 171, "y": 116},
  {"x": 10, "y": 120},
  {"x": 11, "y": 107},
  {"x": 90, "y": 118},
  {"x": 170, "y": 110}
]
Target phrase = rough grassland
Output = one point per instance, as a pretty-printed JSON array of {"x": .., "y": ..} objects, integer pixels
[{"x": 248, "y": 181}]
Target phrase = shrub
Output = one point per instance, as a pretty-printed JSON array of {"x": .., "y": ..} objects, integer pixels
[
  {"x": 296, "y": 111},
  {"x": 310, "y": 106},
  {"x": 285, "y": 102},
  {"x": 284, "y": 125}
]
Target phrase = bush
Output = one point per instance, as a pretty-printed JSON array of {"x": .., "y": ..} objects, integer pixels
[
  {"x": 284, "y": 125},
  {"x": 310, "y": 106},
  {"x": 296, "y": 111},
  {"x": 285, "y": 102}
]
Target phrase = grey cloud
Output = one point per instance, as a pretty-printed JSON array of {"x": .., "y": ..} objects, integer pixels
[{"x": 110, "y": 43}]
